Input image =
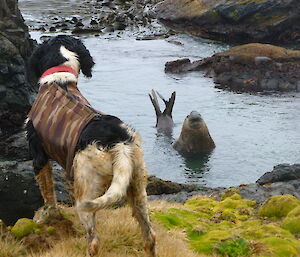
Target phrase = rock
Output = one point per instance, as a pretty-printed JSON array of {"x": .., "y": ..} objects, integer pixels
[
  {"x": 158, "y": 189},
  {"x": 17, "y": 87},
  {"x": 261, "y": 193},
  {"x": 265, "y": 21},
  {"x": 248, "y": 68},
  {"x": 15, "y": 147},
  {"x": 280, "y": 173},
  {"x": 157, "y": 186},
  {"x": 23, "y": 200}
]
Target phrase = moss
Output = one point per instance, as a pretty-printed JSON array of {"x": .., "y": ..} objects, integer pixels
[
  {"x": 233, "y": 247},
  {"x": 205, "y": 243},
  {"x": 292, "y": 221},
  {"x": 51, "y": 230},
  {"x": 256, "y": 49},
  {"x": 278, "y": 206},
  {"x": 24, "y": 227},
  {"x": 178, "y": 218},
  {"x": 233, "y": 191},
  {"x": 281, "y": 247},
  {"x": 209, "y": 224},
  {"x": 234, "y": 15},
  {"x": 201, "y": 203},
  {"x": 250, "y": 1}
]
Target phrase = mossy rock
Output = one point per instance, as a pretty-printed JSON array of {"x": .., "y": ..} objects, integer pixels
[
  {"x": 282, "y": 247},
  {"x": 292, "y": 221},
  {"x": 256, "y": 49},
  {"x": 231, "y": 192},
  {"x": 23, "y": 227},
  {"x": 278, "y": 206}
]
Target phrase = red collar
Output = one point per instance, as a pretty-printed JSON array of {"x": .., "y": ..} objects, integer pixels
[{"x": 60, "y": 68}]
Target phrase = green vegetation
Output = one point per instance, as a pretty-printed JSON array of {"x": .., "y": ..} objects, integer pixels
[
  {"x": 233, "y": 248},
  {"x": 278, "y": 206},
  {"x": 236, "y": 227},
  {"x": 23, "y": 227}
]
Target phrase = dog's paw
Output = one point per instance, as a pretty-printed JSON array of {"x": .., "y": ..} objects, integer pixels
[{"x": 94, "y": 246}]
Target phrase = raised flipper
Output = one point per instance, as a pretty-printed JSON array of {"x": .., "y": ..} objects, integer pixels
[{"x": 164, "y": 121}]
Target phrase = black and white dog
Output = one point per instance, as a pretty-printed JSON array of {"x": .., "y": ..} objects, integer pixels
[{"x": 102, "y": 153}]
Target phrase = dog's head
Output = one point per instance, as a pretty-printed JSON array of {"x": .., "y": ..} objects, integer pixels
[{"x": 61, "y": 50}]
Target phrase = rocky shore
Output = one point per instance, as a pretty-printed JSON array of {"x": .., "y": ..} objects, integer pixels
[
  {"x": 248, "y": 68},
  {"x": 264, "y": 21},
  {"x": 97, "y": 17}
]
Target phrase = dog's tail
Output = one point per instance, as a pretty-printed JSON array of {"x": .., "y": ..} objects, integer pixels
[{"x": 122, "y": 173}]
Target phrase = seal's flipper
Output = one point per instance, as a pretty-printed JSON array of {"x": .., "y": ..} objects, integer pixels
[
  {"x": 169, "y": 104},
  {"x": 155, "y": 103}
]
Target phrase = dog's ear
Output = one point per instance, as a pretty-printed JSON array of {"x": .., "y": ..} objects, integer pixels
[
  {"x": 45, "y": 56},
  {"x": 35, "y": 60},
  {"x": 85, "y": 59}
]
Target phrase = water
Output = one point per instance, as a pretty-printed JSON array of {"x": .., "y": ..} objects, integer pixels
[{"x": 252, "y": 132}]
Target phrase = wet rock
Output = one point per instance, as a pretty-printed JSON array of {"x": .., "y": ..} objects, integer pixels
[
  {"x": 248, "y": 68},
  {"x": 157, "y": 186},
  {"x": 86, "y": 30},
  {"x": 266, "y": 21},
  {"x": 79, "y": 24},
  {"x": 16, "y": 84},
  {"x": 93, "y": 22},
  {"x": 280, "y": 173},
  {"x": 108, "y": 29},
  {"x": 23, "y": 200},
  {"x": 158, "y": 189}
]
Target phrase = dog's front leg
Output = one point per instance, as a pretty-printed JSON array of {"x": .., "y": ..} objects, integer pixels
[{"x": 45, "y": 181}]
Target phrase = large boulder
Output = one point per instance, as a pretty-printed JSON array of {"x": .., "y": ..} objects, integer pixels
[
  {"x": 19, "y": 193},
  {"x": 234, "y": 20},
  {"x": 16, "y": 86},
  {"x": 248, "y": 68}
]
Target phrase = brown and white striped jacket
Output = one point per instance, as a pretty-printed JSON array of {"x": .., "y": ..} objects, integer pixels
[{"x": 59, "y": 117}]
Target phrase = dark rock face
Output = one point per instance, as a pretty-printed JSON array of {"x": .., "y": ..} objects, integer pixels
[
  {"x": 234, "y": 20},
  {"x": 248, "y": 68},
  {"x": 16, "y": 86},
  {"x": 15, "y": 147},
  {"x": 19, "y": 193},
  {"x": 280, "y": 173}
]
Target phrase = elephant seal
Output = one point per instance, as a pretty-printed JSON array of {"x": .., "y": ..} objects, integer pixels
[
  {"x": 194, "y": 137},
  {"x": 164, "y": 120}
]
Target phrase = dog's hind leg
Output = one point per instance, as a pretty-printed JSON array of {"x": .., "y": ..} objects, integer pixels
[
  {"x": 88, "y": 185},
  {"x": 137, "y": 198}
]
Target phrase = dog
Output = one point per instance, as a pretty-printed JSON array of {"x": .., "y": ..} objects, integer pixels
[{"x": 101, "y": 153}]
